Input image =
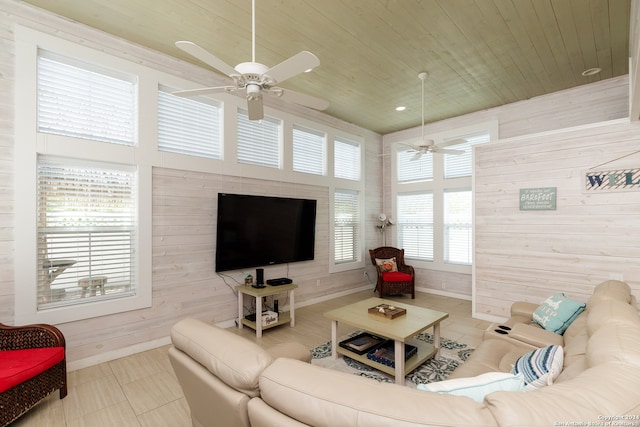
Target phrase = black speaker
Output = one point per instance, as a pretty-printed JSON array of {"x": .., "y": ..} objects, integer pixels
[
  {"x": 259, "y": 276},
  {"x": 275, "y": 306}
]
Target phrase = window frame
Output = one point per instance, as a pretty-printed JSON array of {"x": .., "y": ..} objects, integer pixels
[
  {"x": 438, "y": 185},
  {"x": 37, "y": 143}
]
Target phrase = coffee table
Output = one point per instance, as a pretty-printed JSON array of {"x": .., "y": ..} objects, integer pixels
[{"x": 401, "y": 330}]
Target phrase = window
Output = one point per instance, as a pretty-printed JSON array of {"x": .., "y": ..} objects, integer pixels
[
  {"x": 346, "y": 159},
  {"x": 456, "y": 166},
  {"x": 86, "y": 231},
  {"x": 346, "y": 226},
  {"x": 415, "y": 225},
  {"x": 412, "y": 168},
  {"x": 309, "y": 150},
  {"x": 188, "y": 126},
  {"x": 258, "y": 141},
  {"x": 458, "y": 233},
  {"x": 84, "y": 101}
]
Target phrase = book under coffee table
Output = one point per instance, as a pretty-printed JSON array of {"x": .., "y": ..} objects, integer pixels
[{"x": 401, "y": 330}]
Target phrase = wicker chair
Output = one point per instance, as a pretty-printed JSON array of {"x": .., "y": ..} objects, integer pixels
[
  {"x": 18, "y": 399},
  {"x": 393, "y": 282}
]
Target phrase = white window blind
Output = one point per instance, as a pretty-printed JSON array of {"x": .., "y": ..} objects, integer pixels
[
  {"x": 86, "y": 231},
  {"x": 460, "y": 165},
  {"x": 309, "y": 150},
  {"x": 346, "y": 159},
  {"x": 346, "y": 226},
  {"x": 415, "y": 225},
  {"x": 258, "y": 141},
  {"x": 84, "y": 101},
  {"x": 412, "y": 170},
  {"x": 188, "y": 126},
  {"x": 458, "y": 232}
]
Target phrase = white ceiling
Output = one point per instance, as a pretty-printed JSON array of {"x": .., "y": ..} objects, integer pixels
[{"x": 479, "y": 53}]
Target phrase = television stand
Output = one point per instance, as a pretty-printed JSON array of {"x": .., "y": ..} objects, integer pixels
[{"x": 258, "y": 293}]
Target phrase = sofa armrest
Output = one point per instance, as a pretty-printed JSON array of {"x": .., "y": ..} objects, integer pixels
[
  {"x": 534, "y": 335},
  {"x": 523, "y": 309}
]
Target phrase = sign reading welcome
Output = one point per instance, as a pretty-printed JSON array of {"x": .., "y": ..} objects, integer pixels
[
  {"x": 538, "y": 199},
  {"x": 615, "y": 180}
]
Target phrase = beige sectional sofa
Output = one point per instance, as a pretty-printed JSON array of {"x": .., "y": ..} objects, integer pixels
[{"x": 599, "y": 383}]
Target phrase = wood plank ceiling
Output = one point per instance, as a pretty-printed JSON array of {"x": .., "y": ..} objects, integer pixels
[{"x": 479, "y": 53}]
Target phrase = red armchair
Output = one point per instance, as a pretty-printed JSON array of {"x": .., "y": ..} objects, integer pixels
[
  {"x": 394, "y": 276},
  {"x": 32, "y": 365}
]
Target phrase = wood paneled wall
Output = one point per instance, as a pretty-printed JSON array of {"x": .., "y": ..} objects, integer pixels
[
  {"x": 184, "y": 212},
  {"x": 589, "y": 238}
]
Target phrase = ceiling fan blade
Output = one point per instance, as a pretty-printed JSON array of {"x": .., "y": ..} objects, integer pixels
[
  {"x": 206, "y": 57},
  {"x": 416, "y": 156},
  {"x": 447, "y": 151},
  {"x": 300, "y": 98},
  {"x": 203, "y": 91},
  {"x": 297, "y": 64},
  {"x": 452, "y": 142},
  {"x": 254, "y": 107}
]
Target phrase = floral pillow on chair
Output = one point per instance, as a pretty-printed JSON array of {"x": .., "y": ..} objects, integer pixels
[{"x": 388, "y": 265}]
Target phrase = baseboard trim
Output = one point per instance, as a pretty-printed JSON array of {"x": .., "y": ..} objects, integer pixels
[{"x": 117, "y": 354}]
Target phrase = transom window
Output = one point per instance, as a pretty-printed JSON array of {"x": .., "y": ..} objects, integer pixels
[
  {"x": 85, "y": 101},
  {"x": 309, "y": 150},
  {"x": 346, "y": 159},
  {"x": 189, "y": 126},
  {"x": 259, "y": 140}
]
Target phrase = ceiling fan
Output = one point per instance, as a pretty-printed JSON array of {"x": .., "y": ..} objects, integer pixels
[
  {"x": 428, "y": 145},
  {"x": 253, "y": 78}
]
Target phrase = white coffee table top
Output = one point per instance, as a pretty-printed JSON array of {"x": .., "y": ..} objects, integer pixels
[{"x": 416, "y": 320}]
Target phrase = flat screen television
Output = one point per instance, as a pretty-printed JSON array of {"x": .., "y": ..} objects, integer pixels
[{"x": 257, "y": 231}]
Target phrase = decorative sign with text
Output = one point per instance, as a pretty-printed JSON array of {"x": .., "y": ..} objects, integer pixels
[
  {"x": 614, "y": 180},
  {"x": 538, "y": 199}
]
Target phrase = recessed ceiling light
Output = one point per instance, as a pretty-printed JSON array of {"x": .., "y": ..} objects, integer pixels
[
  {"x": 591, "y": 72},
  {"x": 401, "y": 108}
]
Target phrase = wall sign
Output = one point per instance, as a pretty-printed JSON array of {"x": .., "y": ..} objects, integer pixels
[
  {"x": 613, "y": 180},
  {"x": 538, "y": 199}
]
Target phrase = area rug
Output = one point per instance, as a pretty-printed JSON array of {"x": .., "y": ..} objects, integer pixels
[{"x": 452, "y": 355}]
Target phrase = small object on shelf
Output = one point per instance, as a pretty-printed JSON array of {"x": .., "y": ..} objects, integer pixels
[
  {"x": 388, "y": 311},
  {"x": 362, "y": 343},
  {"x": 268, "y": 317},
  {"x": 385, "y": 354},
  {"x": 248, "y": 280}
]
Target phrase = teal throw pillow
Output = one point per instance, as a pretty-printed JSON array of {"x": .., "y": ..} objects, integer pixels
[
  {"x": 557, "y": 313},
  {"x": 540, "y": 367},
  {"x": 477, "y": 387}
]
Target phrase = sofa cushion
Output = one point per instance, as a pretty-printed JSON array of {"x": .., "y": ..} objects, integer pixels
[
  {"x": 18, "y": 366},
  {"x": 321, "y": 397},
  {"x": 540, "y": 367},
  {"x": 613, "y": 343},
  {"x": 477, "y": 387},
  {"x": 611, "y": 290},
  {"x": 387, "y": 265},
  {"x": 235, "y": 360},
  {"x": 609, "y": 312},
  {"x": 557, "y": 313}
]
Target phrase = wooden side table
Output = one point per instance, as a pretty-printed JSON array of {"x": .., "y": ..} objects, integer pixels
[{"x": 258, "y": 293}]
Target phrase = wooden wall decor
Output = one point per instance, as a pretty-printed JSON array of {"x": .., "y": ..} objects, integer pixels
[{"x": 613, "y": 180}]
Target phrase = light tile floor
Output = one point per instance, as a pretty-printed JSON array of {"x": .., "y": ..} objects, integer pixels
[{"x": 141, "y": 390}]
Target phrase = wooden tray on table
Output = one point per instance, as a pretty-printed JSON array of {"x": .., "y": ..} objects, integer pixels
[{"x": 388, "y": 311}]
